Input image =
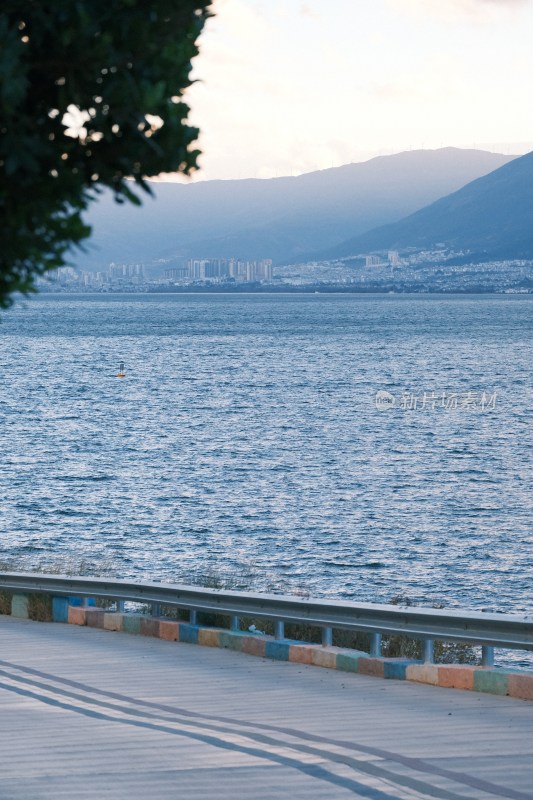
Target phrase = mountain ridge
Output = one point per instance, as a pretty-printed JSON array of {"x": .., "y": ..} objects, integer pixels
[{"x": 491, "y": 218}]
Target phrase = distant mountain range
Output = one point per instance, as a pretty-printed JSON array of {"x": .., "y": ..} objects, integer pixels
[
  {"x": 491, "y": 218},
  {"x": 285, "y": 219}
]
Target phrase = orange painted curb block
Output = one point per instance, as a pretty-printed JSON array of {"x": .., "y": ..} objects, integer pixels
[
  {"x": 456, "y": 677},
  {"x": 168, "y": 630},
  {"x": 301, "y": 655},
  {"x": 76, "y": 615}
]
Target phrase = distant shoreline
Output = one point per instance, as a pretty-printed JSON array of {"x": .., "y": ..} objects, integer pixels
[{"x": 298, "y": 290}]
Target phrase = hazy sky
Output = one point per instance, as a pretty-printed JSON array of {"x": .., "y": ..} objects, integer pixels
[{"x": 289, "y": 86}]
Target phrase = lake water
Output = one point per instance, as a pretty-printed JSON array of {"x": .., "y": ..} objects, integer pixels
[{"x": 245, "y": 438}]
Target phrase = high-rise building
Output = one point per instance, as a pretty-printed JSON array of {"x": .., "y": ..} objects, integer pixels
[
  {"x": 177, "y": 273},
  {"x": 393, "y": 258}
]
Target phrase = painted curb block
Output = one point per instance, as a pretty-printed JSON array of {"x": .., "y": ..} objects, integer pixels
[
  {"x": 371, "y": 666},
  {"x": 149, "y": 627},
  {"x": 349, "y": 662},
  {"x": 94, "y": 617},
  {"x": 300, "y": 654},
  {"x": 131, "y": 623},
  {"x": 277, "y": 650},
  {"x": 324, "y": 657},
  {"x": 231, "y": 640},
  {"x": 78, "y": 601},
  {"x": 520, "y": 685},
  {"x": 491, "y": 681},
  {"x": 456, "y": 676},
  {"x": 209, "y": 637},
  {"x": 423, "y": 673},
  {"x": 113, "y": 621},
  {"x": 188, "y": 633},
  {"x": 19, "y": 606},
  {"x": 168, "y": 630},
  {"x": 60, "y": 609},
  {"x": 396, "y": 668},
  {"x": 76, "y": 615},
  {"x": 254, "y": 645}
]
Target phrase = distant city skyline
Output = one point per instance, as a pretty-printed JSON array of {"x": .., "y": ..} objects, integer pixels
[{"x": 286, "y": 87}]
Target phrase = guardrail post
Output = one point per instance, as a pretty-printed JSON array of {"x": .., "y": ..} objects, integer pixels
[
  {"x": 428, "y": 651},
  {"x": 487, "y": 656},
  {"x": 84, "y": 602},
  {"x": 156, "y": 609},
  {"x": 279, "y": 629},
  {"x": 120, "y": 606},
  {"x": 327, "y": 636},
  {"x": 193, "y": 617},
  {"x": 375, "y": 645},
  {"x": 235, "y": 623}
]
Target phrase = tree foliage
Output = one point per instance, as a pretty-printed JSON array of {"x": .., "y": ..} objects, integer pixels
[{"x": 90, "y": 96}]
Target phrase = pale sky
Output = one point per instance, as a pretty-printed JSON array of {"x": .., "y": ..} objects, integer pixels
[{"x": 290, "y": 86}]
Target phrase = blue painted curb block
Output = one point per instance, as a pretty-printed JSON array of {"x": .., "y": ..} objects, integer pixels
[
  {"x": 188, "y": 633},
  {"x": 60, "y": 609},
  {"x": 78, "y": 601},
  {"x": 277, "y": 650},
  {"x": 397, "y": 669}
]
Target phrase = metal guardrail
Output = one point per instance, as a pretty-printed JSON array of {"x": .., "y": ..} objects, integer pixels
[{"x": 487, "y": 630}]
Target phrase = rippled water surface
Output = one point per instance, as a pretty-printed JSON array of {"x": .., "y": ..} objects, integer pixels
[{"x": 245, "y": 436}]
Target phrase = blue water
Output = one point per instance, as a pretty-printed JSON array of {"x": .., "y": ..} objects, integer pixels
[{"x": 245, "y": 438}]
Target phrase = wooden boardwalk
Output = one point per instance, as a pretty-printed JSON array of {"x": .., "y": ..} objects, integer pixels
[{"x": 90, "y": 714}]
